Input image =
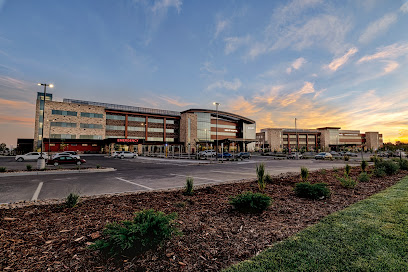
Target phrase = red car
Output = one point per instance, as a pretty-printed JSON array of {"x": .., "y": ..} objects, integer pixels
[{"x": 65, "y": 160}]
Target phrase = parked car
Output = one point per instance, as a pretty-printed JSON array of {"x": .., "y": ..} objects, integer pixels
[
  {"x": 351, "y": 154},
  {"x": 293, "y": 156},
  {"x": 67, "y": 153},
  {"x": 124, "y": 154},
  {"x": 207, "y": 153},
  {"x": 323, "y": 155},
  {"x": 32, "y": 156},
  {"x": 65, "y": 160},
  {"x": 244, "y": 155},
  {"x": 334, "y": 153},
  {"x": 224, "y": 155}
]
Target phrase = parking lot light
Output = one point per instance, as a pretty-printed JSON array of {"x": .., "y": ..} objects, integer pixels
[{"x": 41, "y": 160}]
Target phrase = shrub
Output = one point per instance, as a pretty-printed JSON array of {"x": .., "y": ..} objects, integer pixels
[
  {"x": 335, "y": 169},
  {"x": 403, "y": 164},
  {"x": 379, "y": 172},
  {"x": 312, "y": 191},
  {"x": 3, "y": 169},
  {"x": 304, "y": 173},
  {"x": 260, "y": 172},
  {"x": 268, "y": 178},
  {"x": 347, "y": 182},
  {"x": 147, "y": 230},
  {"x": 250, "y": 202},
  {"x": 189, "y": 186},
  {"x": 390, "y": 167},
  {"x": 71, "y": 200},
  {"x": 364, "y": 165},
  {"x": 98, "y": 166},
  {"x": 376, "y": 159},
  {"x": 346, "y": 158},
  {"x": 364, "y": 177},
  {"x": 323, "y": 171},
  {"x": 29, "y": 167},
  {"x": 348, "y": 169}
]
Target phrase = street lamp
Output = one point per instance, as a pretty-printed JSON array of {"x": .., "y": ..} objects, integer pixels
[
  {"x": 297, "y": 142},
  {"x": 41, "y": 160},
  {"x": 216, "y": 129}
]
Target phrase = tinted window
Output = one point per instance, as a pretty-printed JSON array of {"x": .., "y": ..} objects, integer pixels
[
  {"x": 61, "y": 158},
  {"x": 69, "y": 158}
]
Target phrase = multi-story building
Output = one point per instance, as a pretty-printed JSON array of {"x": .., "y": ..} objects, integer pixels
[
  {"x": 87, "y": 126},
  {"x": 326, "y": 138}
]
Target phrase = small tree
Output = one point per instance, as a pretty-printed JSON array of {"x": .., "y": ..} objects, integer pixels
[
  {"x": 348, "y": 169},
  {"x": 189, "y": 186},
  {"x": 260, "y": 172},
  {"x": 304, "y": 172},
  {"x": 364, "y": 165}
]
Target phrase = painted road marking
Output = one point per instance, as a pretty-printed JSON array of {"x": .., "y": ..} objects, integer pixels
[
  {"x": 236, "y": 173},
  {"x": 37, "y": 192},
  {"x": 216, "y": 180},
  {"x": 128, "y": 181}
]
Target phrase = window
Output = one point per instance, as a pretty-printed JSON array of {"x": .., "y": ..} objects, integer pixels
[
  {"x": 60, "y": 112},
  {"x": 155, "y": 129},
  {"x": 155, "y": 138},
  {"x": 169, "y": 130},
  {"x": 224, "y": 126},
  {"x": 115, "y": 117},
  {"x": 136, "y": 119},
  {"x": 136, "y": 129},
  {"x": 170, "y": 122},
  {"x": 94, "y": 145},
  {"x": 92, "y": 137},
  {"x": 84, "y": 144},
  {"x": 63, "y": 124},
  {"x": 97, "y": 126},
  {"x": 114, "y": 137},
  {"x": 73, "y": 144},
  {"x": 63, "y": 136},
  {"x": 169, "y": 139},
  {"x": 115, "y": 127},
  {"x": 91, "y": 115},
  {"x": 157, "y": 121},
  {"x": 133, "y": 137}
]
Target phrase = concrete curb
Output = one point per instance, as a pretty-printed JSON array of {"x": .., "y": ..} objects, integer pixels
[{"x": 56, "y": 172}]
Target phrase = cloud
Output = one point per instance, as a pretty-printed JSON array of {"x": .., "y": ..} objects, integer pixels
[
  {"x": 307, "y": 88},
  {"x": 228, "y": 85},
  {"x": 296, "y": 65},
  {"x": 220, "y": 27},
  {"x": 269, "y": 94},
  {"x": 233, "y": 43},
  {"x": 242, "y": 106},
  {"x": 391, "y": 66},
  {"x": 176, "y": 102},
  {"x": 2, "y": 2},
  {"x": 337, "y": 63},
  {"x": 388, "y": 52},
  {"x": 164, "y": 5},
  {"x": 208, "y": 68},
  {"x": 404, "y": 8},
  {"x": 378, "y": 27}
]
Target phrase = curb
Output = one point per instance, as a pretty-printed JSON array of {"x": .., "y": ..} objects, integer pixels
[{"x": 57, "y": 172}]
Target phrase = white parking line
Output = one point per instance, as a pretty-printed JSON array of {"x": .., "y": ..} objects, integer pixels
[
  {"x": 37, "y": 192},
  {"x": 216, "y": 180},
  {"x": 237, "y": 173},
  {"x": 148, "y": 188}
]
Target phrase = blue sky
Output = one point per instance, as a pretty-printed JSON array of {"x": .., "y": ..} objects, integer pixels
[{"x": 327, "y": 63}]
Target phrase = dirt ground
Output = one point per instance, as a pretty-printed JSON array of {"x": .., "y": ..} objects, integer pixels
[{"x": 54, "y": 238}]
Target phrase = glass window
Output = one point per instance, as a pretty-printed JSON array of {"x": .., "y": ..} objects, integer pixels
[
  {"x": 136, "y": 119},
  {"x": 68, "y": 113},
  {"x": 153, "y": 120},
  {"x": 170, "y": 122},
  {"x": 155, "y": 129},
  {"x": 91, "y": 115},
  {"x": 155, "y": 139},
  {"x": 115, "y": 117},
  {"x": 115, "y": 127},
  {"x": 169, "y": 130},
  {"x": 114, "y": 137},
  {"x": 135, "y": 137},
  {"x": 169, "y": 139},
  {"x": 97, "y": 126},
  {"x": 136, "y": 129},
  {"x": 63, "y": 136},
  {"x": 63, "y": 124},
  {"x": 92, "y": 137}
]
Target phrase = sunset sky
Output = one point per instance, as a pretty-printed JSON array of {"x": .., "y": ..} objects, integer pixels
[{"x": 327, "y": 63}]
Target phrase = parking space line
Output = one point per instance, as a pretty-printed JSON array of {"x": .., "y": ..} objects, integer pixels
[
  {"x": 237, "y": 173},
  {"x": 128, "y": 181},
  {"x": 37, "y": 192},
  {"x": 216, "y": 180}
]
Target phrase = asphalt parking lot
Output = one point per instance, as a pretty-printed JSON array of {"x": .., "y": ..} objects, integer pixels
[{"x": 139, "y": 174}]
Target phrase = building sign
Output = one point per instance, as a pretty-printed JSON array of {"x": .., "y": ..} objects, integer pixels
[
  {"x": 127, "y": 140},
  {"x": 230, "y": 130}
]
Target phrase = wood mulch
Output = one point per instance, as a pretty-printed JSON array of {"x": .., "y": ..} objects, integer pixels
[{"x": 54, "y": 238}]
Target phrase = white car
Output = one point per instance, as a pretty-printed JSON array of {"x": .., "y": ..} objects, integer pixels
[
  {"x": 67, "y": 153},
  {"x": 124, "y": 154},
  {"x": 323, "y": 155},
  {"x": 32, "y": 156},
  {"x": 207, "y": 153}
]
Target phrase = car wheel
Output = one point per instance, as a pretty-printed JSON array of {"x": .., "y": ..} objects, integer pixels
[
  {"x": 78, "y": 163},
  {"x": 55, "y": 163},
  {"x": 20, "y": 159},
  {"x": 122, "y": 157}
]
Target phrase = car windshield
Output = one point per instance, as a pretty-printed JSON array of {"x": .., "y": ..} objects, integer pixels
[{"x": 322, "y": 154}]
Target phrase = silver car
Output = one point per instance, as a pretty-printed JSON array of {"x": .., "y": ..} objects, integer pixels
[
  {"x": 124, "y": 154},
  {"x": 323, "y": 155},
  {"x": 32, "y": 156}
]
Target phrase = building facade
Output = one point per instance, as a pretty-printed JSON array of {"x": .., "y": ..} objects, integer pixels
[
  {"x": 87, "y": 126},
  {"x": 320, "y": 139}
]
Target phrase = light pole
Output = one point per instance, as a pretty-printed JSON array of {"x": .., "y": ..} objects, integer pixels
[
  {"x": 41, "y": 160},
  {"x": 216, "y": 129},
  {"x": 297, "y": 142}
]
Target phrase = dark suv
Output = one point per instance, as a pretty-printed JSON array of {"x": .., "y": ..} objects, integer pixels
[{"x": 244, "y": 155}]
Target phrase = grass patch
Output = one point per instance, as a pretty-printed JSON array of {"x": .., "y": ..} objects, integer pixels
[{"x": 367, "y": 236}]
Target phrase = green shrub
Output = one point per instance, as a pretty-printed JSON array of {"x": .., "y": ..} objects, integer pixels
[
  {"x": 375, "y": 159},
  {"x": 347, "y": 182},
  {"x": 379, "y": 172},
  {"x": 346, "y": 158},
  {"x": 389, "y": 167},
  {"x": 29, "y": 167},
  {"x": 304, "y": 173},
  {"x": 71, "y": 200},
  {"x": 260, "y": 173},
  {"x": 312, "y": 191},
  {"x": 3, "y": 169},
  {"x": 147, "y": 230},
  {"x": 98, "y": 166},
  {"x": 335, "y": 170},
  {"x": 323, "y": 171},
  {"x": 403, "y": 164},
  {"x": 268, "y": 178},
  {"x": 364, "y": 165},
  {"x": 188, "y": 190},
  {"x": 348, "y": 169},
  {"x": 250, "y": 202},
  {"x": 364, "y": 177}
]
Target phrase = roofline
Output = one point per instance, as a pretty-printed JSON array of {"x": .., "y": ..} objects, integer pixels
[{"x": 221, "y": 113}]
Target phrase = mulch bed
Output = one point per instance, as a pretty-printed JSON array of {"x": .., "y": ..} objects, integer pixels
[{"x": 55, "y": 238}]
